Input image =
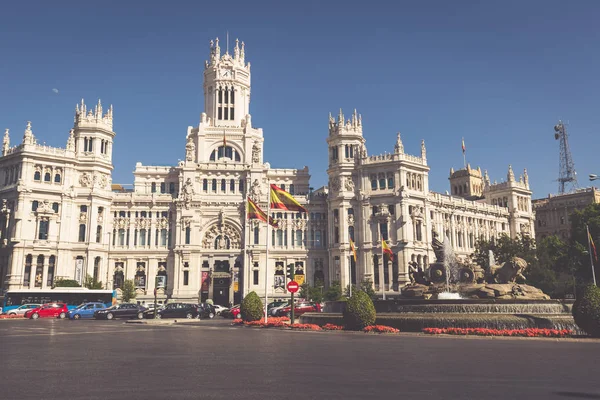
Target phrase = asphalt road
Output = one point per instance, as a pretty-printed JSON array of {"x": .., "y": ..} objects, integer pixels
[{"x": 54, "y": 359}]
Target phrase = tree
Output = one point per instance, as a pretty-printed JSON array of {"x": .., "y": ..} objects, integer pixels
[
  {"x": 504, "y": 248},
  {"x": 366, "y": 285},
  {"x": 588, "y": 217},
  {"x": 128, "y": 292},
  {"x": 312, "y": 293},
  {"x": 65, "y": 283},
  {"x": 252, "y": 308},
  {"x": 334, "y": 291},
  {"x": 92, "y": 283}
]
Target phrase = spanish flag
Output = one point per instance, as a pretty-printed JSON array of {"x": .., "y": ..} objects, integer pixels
[
  {"x": 254, "y": 212},
  {"x": 282, "y": 200},
  {"x": 353, "y": 250},
  {"x": 387, "y": 250},
  {"x": 463, "y": 146},
  {"x": 592, "y": 245}
]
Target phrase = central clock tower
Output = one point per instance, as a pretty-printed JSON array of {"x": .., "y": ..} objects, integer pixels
[{"x": 226, "y": 87}]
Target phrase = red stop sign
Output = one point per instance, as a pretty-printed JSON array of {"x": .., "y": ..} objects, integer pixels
[{"x": 292, "y": 286}]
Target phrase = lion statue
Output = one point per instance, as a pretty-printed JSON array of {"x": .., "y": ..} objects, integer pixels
[{"x": 508, "y": 271}]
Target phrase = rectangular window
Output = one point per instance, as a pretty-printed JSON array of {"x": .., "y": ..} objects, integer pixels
[
  {"x": 220, "y": 113},
  {"x": 82, "y": 232},
  {"x": 390, "y": 181},
  {"x": 255, "y": 277},
  {"x": 142, "y": 237},
  {"x": 383, "y": 229},
  {"x": 226, "y": 109},
  {"x": 153, "y": 187},
  {"x": 391, "y": 209},
  {"x": 121, "y": 241},
  {"x": 231, "y": 113},
  {"x": 163, "y": 237},
  {"x": 188, "y": 234},
  {"x": 172, "y": 187},
  {"x": 256, "y": 235},
  {"x": 43, "y": 229},
  {"x": 163, "y": 187},
  {"x": 336, "y": 235},
  {"x": 186, "y": 278}
]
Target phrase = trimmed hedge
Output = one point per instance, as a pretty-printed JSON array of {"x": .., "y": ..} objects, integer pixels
[
  {"x": 586, "y": 310},
  {"x": 359, "y": 312},
  {"x": 251, "y": 307}
]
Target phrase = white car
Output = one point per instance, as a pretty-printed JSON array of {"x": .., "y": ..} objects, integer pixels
[
  {"x": 22, "y": 309},
  {"x": 219, "y": 309}
]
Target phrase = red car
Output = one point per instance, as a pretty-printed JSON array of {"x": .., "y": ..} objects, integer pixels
[
  {"x": 50, "y": 310},
  {"x": 299, "y": 309}
]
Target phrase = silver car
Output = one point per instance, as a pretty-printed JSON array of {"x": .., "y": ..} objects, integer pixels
[{"x": 22, "y": 309}]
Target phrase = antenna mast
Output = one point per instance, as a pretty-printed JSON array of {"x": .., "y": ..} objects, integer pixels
[{"x": 567, "y": 174}]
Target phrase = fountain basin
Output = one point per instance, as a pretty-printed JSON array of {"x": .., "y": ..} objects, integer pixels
[{"x": 412, "y": 315}]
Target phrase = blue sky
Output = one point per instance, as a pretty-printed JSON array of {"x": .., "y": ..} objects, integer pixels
[{"x": 499, "y": 74}]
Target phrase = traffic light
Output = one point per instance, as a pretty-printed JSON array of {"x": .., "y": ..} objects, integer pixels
[{"x": 290, "y": 271}]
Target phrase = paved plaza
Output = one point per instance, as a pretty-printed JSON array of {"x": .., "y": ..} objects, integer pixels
[{"x": 55, "y": 359}]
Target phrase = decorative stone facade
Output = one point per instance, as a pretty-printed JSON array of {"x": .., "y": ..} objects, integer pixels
[{"x": 61, "y": 217}]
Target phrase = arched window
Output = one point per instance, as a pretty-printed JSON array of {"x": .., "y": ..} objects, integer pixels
[
  {"x": 50, "y": 277},
  {"x": 43, "y": 229},
  {"x": 282, "y": 186},
  {"x": 82, "y": 232},
  {"x": 118, "y": 278},
  {"x": 223, "y": 185},
  {"x": 214, "y": 185},
  {"x": 232, "y": 186},
  {"x": 298, "y": 238},
  {"x": 256, "y": 235},
  {"x": 99, "y": 234},
  {"x": 57, "y": 178},
  {"x": 205, "y": 185},
  {"x": 37, "y": 176},
  {"x": 292, "y": 189},
  {"x": 27, "y": 273},
  {"x": 34, "y": 205},
  {"x": 96, "y": 273},
  {"x": 351, "y": 232},
  {"x": 163, "y": 237},
  {"x": 188, "y": 234},
  {"x": 39, "y": 271},
  {"x": 241, "y": 186}
]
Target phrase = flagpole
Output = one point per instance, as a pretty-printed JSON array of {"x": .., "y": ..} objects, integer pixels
[
  {"x": 350, "y": 268},
  {"x": 590, "y": 251},
  {"x": 464, "y": 152},
  {"x": 382, "y": 282},
  {"x": 247, "y": 239},
  {"x": 267, "y": 256}
]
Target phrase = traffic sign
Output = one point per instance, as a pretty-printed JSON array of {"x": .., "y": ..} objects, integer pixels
[{"x": 292, "y": 286}]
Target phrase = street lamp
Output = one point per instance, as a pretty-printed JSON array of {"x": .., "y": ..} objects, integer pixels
[{"x": 593, "y": 177}]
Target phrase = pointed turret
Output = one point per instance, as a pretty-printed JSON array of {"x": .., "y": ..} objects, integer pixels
[
  {"x": 399, "y": 147},
  {"x": 236, "y": 50},
  {"x": 217, "y": 49},
  {"x": 486, "y": 178},
  {"x": 28, "y": 137},
  {"x": 71, "y": 140},
  {"x": 341, "y": 117},
  {"x": 510, "y": 176},
  {"x": 423, "y": 150},
  {"x": 242, "y": 53},
  {"x": 5, "y": 142},
  {"x": 451, "y": 171},
  {"x": 526, "y": 178}
]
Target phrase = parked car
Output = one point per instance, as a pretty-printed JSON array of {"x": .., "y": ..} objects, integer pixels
[
  {"x": 125, "y": 310},
  {"x": 219, "y": 309},
  {"x": 206, "y": 310},
  {"x": 50, "y": 310},
  {"x": 299, "y": 309},
  {"x": 274, "y": 310},
  {"x": 21, "y": 310},
  {"x": 175, "y": 310},
  {"x": 233, "y": 312},
  {"x": 86, "y": 310}
]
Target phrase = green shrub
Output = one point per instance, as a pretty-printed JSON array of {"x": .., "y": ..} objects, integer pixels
[
  {"x": 65, "y": 283},
  {"x": 251, "y": 307},
  {"x": 334, "y": 291},
  {"x": 359, "y": 312},
  {"x": 586, "y": 310}
]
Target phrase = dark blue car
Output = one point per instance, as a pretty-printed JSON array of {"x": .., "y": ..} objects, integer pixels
[{"x": 86, "y": 310}]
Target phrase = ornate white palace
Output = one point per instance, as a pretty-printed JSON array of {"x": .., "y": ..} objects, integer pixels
[{"x": 61, "y": 217}]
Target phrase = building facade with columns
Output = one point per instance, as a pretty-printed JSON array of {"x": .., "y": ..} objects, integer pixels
[{"x": 61, "y": 217}]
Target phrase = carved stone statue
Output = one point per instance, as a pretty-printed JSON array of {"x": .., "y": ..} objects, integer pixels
[
  {"x": 256, "y": 153},
  {"x": 509, "y": 271},
  {"x": 255, "y": 191},
  {"x": 222, "y": 242},
  {"x": 349, "y": 184},
  {"x": 438, "y": 247},
  {"x": 190, "y": 148},
  {"x": 188, "y": 193}
]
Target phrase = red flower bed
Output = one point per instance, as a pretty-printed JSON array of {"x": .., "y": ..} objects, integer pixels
[
  {"x": 271, "y": 322},
  {"x": 530, "y": 332},
  {"x": 6, "y": 316},
  {"x": 332, "y": 327},
  {"x": 380, "y": 329},
  {"x": 306, "y": 327}
]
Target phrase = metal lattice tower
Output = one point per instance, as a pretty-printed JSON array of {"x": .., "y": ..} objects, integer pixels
[{"x": 567, "y": 178}]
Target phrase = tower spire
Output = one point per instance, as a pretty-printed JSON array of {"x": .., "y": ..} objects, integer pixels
[{"x": 5, "y": 143}]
